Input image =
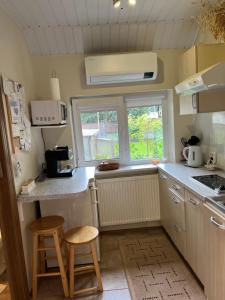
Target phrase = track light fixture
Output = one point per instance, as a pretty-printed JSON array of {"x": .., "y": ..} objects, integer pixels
[
  {"x": 116, "y": 3},
  {"x": 132, "y": 2}
]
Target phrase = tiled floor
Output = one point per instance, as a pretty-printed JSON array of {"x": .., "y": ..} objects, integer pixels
[{"x": 113, "y": 274}]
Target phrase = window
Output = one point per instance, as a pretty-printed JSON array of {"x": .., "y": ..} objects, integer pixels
[
  {"x": 145, "y": 129},
  {"x": 129, "y": 129},
  {"x": 100, "y": 135}
]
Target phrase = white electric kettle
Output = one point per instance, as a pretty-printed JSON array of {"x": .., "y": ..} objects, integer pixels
[{"x": 193, "y": 155}]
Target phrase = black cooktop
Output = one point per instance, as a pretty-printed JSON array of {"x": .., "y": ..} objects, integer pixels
[{"x": 212, "y": 181}]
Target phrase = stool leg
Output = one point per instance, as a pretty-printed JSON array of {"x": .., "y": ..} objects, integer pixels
[
  {"x": 97, "y": 269},
  {"x": 42, "y": 255},
  {"x": 71, "y": 269},
  {"x": 61, "y": 265},
  {"x": 34, "y": 265}
]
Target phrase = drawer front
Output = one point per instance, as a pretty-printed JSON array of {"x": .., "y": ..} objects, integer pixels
[
  {"x": 177, "y": 209},
  {"x": 176, "y": 187}
]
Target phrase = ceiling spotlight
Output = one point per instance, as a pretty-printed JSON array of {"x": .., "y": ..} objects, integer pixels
[
  {"x": 132, "y": 2},
  {"x": 116, "y": 3}
]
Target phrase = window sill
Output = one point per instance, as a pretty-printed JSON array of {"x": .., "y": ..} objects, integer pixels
[{"x": 127, "y": 171}]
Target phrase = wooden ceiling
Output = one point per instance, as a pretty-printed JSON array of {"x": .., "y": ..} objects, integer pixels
[{"x": 95, "y": 26}]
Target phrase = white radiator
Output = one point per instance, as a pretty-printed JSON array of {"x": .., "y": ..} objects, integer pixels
[{"x": 128, "y": 200}]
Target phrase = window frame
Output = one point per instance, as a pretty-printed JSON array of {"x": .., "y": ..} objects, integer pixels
[
  {"x": 94, "y": 105},
  {"x": 120, "y": 104}
]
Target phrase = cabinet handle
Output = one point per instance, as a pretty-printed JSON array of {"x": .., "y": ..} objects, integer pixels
[
  {"x": 93, "y": 188},
  {"x": 177, "y": 228},
  {"x": 175, "y": 200},
  {"x": 163, "y": 177},
  {"x": 192, "y": 201},
  {"x": 175, "y": 187},
  {"x": 214, "y": 222}
]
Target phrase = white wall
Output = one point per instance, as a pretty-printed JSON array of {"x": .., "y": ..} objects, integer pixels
[
  {"x": 70, "y": 70},
  {"x": 15, "y": 63},
  {"x": 212, "y": 129}
]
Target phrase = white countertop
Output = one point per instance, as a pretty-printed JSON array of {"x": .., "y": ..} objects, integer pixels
[
  {"x": 127, "y": 171},
  {"x": 184, "y": 174},
  {"x": 64, "y": 188},
  {"x": 61, "y": 188}
]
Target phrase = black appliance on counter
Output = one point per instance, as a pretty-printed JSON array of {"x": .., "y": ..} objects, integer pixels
[
  {"x": 214, "y": 181},
  {"x": 54, "y": 159}
]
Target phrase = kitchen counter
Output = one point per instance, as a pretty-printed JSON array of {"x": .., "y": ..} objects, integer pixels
[
  {"x": 184, "y": 174},
  {"x": 127, "y": 171},
  {"x": 61, "y": 188}
]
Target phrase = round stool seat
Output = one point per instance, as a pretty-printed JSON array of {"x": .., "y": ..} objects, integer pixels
[
  {"x": 46, "y": 223},
  {"x": 81, "y": 235}
]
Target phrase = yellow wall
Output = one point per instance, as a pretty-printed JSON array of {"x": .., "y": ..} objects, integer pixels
[
  {"x": 70, "y": 70},
  {"x": 15, "y": 63}
]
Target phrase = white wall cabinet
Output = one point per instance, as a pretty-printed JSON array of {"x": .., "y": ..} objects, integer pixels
[
  {"x": 214, "y": 225},
  {"x": 128, "y": 200},
  {"x": 195, "y": 234}
]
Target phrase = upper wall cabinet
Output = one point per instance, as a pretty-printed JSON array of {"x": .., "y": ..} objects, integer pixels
[
  {"x": 199, "y": 58},
  {"x": 193, "y": 61}
]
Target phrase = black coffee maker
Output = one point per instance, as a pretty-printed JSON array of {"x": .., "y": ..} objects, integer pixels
[{"x": 54, "y": 159}]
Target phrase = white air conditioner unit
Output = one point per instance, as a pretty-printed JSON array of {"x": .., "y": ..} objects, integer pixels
[{"x": 121, "y": 68}]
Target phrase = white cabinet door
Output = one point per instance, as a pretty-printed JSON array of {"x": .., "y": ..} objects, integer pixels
[
  {"x": 195, "y": 234},
  {"x": 128, "y": 200},
  {"x": 165, "y": 215},
  {"x": 214, "y": 252},
  {"x": 178, "y": 226}
]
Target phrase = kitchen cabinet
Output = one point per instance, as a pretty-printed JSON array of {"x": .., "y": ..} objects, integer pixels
[
  {"x": 198, "y": 58},
  {"x": 177, "y": 220},
  {"x": 208, "y": 101},
  {"x": 214, "y": 224},
  {"x": 195, "y": 234},
  {"x": 193, "y": 61},
  {"x": 164, "y": 202},
  {"x": 172, "y": 210},
  {"x": 188, "y": 64}
]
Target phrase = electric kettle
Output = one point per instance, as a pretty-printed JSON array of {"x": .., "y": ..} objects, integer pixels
[{"x": 193, "y": 155}]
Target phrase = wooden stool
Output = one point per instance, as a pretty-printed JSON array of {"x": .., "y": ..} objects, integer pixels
[
  {"x": 42, "y": 228},
  {"x": 79, "y": 236}
]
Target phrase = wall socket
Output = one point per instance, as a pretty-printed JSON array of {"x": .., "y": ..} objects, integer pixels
[{"x": 212, "y": 157}]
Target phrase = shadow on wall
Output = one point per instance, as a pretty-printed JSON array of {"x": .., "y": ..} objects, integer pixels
[{"x": 159, "y": 80}]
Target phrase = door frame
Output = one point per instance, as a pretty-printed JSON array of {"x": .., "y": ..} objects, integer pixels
[{"x": 9, "y": 216}]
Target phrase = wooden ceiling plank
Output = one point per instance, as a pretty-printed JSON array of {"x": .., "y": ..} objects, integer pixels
[
  {"x": 105, "y": 37},
  {"x": 70, "y": 12},
  {"x": 78, "y": 38},
  {"x": 47, "y": 12},
  {"x": 81, "y": 12},
  {"x": 69, "y": 39},
  {"x": 123, "y": 37},
  {"x": 59, "y": 12}
]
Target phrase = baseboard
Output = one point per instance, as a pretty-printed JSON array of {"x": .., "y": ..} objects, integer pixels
[{"x": 131, "y": 226}]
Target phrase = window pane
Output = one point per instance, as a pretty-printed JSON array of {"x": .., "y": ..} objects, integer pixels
[
  {"x": 100, "y": 135},
  {"x": 145, "y": 132}
]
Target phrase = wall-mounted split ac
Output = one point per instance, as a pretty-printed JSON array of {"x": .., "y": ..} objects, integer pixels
[{"x": 121, "y": 68}]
